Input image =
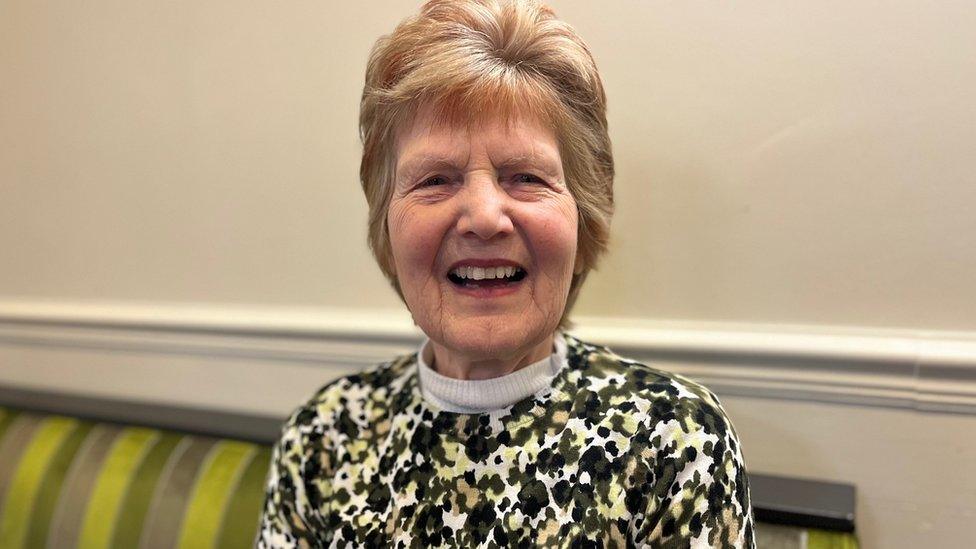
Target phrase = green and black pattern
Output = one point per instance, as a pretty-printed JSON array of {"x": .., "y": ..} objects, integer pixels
[{"x": 612, "y": 454}]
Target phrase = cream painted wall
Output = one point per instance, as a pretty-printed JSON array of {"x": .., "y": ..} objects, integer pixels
[
  {"x": 777, "y": 162},
  {"x": 807, "y": 164}
]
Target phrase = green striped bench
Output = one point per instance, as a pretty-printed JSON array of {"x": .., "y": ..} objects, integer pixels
[{"x": 66, "y": 482}]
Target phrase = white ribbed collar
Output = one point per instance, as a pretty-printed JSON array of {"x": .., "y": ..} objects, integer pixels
[{"x": 475, "y": 396}]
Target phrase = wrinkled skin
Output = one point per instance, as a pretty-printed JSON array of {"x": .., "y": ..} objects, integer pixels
[{"x": 487, "y": 189}]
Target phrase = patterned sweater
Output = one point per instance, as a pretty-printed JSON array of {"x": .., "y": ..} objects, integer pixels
[{"x": 612, "y": 454}]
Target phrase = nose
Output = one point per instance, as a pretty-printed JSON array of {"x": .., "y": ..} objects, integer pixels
[{"x": 484, "y": 209}]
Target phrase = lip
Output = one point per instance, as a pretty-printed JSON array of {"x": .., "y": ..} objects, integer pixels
[{"x": 488, "y": 292}]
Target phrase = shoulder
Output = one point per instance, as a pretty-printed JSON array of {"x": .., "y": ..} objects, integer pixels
[
  {"x": 341, "y": 404},
  {"x": 656, "y": 399},
  {"x": 680, "y": 436}
]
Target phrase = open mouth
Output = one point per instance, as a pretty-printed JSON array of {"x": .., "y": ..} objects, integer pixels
[{"x": 467, "y": 276}]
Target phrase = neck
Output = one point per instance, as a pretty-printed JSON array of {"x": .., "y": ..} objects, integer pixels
[{"x": 457, "y": 365}]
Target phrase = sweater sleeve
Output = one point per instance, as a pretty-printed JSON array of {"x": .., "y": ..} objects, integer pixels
[
  {"x": 287, "y": 519},
  {"x": 699, "y": 492}
]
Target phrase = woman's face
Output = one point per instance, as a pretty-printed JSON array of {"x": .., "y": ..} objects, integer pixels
[{"x": 483, "y": 231}]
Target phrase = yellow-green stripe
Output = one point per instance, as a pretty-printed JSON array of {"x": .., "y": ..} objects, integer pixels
[
  {"x": 240, "y": 525},
  {"x": 47, "y": 498},
  {"x": 222, "y": 470},
  {"x": 27, "y": 479},
  {"x": 114, "y": 478},
  {"x": 132, "y": 517},
  {"x": 823, "y": 539}
]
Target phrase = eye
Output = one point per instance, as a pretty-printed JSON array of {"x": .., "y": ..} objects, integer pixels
[
  {"x": 433, "y": 181},
  {"x": 527, "y": 178}
]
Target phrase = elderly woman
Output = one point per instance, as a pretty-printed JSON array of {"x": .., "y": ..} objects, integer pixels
[{"x": 488, "y": 172}]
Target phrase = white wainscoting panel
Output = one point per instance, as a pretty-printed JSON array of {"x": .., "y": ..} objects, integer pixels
[{"x": 266, "y": 360}]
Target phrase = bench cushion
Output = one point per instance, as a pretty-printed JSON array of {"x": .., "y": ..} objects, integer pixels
[{"x": 67, "y": 482}]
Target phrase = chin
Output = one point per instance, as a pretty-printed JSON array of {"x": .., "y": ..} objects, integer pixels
[{"x": 494, "y": 337}]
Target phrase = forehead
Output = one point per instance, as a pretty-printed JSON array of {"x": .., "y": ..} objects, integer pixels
[{"x": 516, "y": 134}]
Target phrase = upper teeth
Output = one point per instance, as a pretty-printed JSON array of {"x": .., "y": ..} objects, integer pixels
[{"x": 481, "y": 273}]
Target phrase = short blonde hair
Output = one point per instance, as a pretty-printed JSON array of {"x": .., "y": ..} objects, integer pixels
[{"x": 474, "y": 58}]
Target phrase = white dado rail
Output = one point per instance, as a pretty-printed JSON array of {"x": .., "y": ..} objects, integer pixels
[{"x": 925, "y": 370}]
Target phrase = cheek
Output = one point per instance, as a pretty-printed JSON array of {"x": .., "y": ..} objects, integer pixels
[
  {"x": 414, "y": 240},
  {"x": 558, "y": 240}
]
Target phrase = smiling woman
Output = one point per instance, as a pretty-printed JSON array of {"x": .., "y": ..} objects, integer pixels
[{"x": 489, "y": 176}]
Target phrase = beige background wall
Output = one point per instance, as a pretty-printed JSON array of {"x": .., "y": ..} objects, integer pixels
[
  {"x": 779, "y": 165},
  {"x": 777, "y": 162}
]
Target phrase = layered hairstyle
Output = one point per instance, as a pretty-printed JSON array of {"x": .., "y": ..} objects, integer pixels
[{"x": 469, "y": 59}]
